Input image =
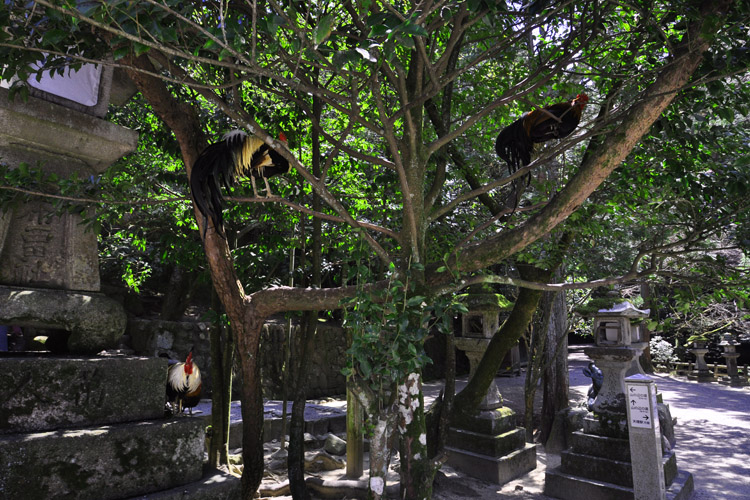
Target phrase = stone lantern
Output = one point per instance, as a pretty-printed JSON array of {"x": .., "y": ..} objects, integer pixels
[
  {"x": 619, "y": 341},
  {"x": 599, "y": 462},
  {"x": 479, "y": 324},
  {"x": 49, "y": 267},
  {"x": 701, "y": 373},
  {"x": 730, "y": 354}
]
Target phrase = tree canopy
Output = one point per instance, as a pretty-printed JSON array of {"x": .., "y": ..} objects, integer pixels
[{"x": 406, "y": 99}]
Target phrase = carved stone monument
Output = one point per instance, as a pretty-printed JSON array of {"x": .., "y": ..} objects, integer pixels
[
  {"x": 49, "y": 269},
  {"x": 487, "y": 445},
  {"x": 599, "y": 464}
]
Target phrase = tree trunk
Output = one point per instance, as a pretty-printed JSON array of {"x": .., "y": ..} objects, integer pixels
[
  {"x": 380, "y": 451},
  {"x": 296, "y": 449},
  {"x": 417, "y": 470},
  {"x": 468, "y": 400},
  {"x": 556, "y": 381},
  {"x": 222, "y": 349},
  {"x": 252, "y": 404}
]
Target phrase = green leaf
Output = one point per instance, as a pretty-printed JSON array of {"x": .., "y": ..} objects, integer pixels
[
  {"x": 140, "y": 49},
  {"x": 323, "y": 30},
  {"x": 54, "y": 36}
]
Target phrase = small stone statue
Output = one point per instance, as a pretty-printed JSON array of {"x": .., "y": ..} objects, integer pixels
[{"x": 597, "y": 378}]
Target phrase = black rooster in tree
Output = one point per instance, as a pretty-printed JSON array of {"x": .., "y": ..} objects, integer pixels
[
  {"x": 515, "y": 142},
  {"x": 237, "y": 155}
]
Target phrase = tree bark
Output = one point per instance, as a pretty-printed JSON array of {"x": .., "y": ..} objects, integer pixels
[
  {"x": 556, "y": 381},
  {"x": 468, "y": 400}
]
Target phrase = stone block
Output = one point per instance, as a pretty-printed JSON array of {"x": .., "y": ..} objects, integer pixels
[
  {"x": 213, "y": 486},
  {"x": 102, "y": 463},
  {"x": 558, "y": 484},
  {"x": 490, "y": 422},
  {"x": 596, "y": 468},
  {"x": 682, "y": 487},
  {"x": 45, "y": 249},
  {"x": 601, "y": 446},
  {"x": 670, "y": 467},
  {"x": 493, "y": 446},
  {"x": 95, "y": 321},
  {"x": 498, "y": 470},
  {"x": 46, "y": 392},
  {"x": 74, "y": 141}
]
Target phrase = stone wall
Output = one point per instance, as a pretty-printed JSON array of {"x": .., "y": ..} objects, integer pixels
[{"x": 174, "y": 339}]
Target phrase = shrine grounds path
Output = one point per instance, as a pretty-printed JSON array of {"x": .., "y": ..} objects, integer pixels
[{"x": 712, "y": 432}]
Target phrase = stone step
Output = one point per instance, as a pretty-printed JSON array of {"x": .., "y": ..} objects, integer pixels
[
  {"x": 498, "y": 470},
  {"x": 213, "y": 485},
  {"x": 558, "y": 484},
  {"x": 47, "y": 392},
  {"x": 102, "y": 463},
  {"x": 597, "y": 468},
  {"x": 494, "y": 446},
  {"x": 612, "y": 471},
  {"x": 490, "y": 422},
  {"x": 600, "y": 446}
]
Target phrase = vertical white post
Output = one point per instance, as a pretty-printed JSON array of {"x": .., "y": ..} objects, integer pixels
[{"x": 645, "y": 438}]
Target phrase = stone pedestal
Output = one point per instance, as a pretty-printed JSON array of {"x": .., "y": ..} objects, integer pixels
[
  {"x": 474, "y": 349},
  {"x": 730, "y": 354},
  {"x": 701, "y": 373},
  {"x": 93, "y": 428},
  {"x": 489, "y": 446},
  {"x": 597, "y": 466},
  {"x": 613, "y": 362},
  {"x": 39, "y": 248}
]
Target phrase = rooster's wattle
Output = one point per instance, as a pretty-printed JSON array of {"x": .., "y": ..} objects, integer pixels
[{"x": 184, "y": 384}]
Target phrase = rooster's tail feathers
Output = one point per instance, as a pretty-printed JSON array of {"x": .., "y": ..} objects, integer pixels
[{"x": 514, "y": 146}]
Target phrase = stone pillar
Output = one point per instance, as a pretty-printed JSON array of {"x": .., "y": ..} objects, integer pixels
[
  {"x": 645, "y": 439},
  {"x": 48, "y": 260},
  {"x": 474, "y": 349},
  {"x": 730, "y": 354},
  {"x": 600, "y": 464},
  {"x": 701, "y": 373}
]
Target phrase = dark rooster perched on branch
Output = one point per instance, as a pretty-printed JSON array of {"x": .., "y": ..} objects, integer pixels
[
  {"x": 184, "y": 384},
  {"x": 236, "y": 155},
  {"x": 515, "y": 142}
]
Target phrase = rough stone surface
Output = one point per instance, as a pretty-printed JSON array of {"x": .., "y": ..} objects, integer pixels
[
  {"x": 498, "y": 470},
  {"x": 491, "y": 422},
  {"x": 44, "y": 249},
  {"x": 216, "y": 485},
  {"x": 494, "y": 446},
  {"x": 95, "y": 321},
  {"x": 557, "y": 484},
  {"x": 70, "y": 139},
  {"x": 102, "y": 463},
  {"x": 335, "y": 445},
  {"x": 39, "y": 393}
]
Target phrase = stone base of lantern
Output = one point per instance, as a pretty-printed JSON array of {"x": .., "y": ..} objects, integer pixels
[
  {"x": 734, "y": 381},
  {"x": 701, "y": 376},
  {"x": 597, "y": 466},
  {"x": 95, "y": 322},
  {"x": 489, "y": 446}
]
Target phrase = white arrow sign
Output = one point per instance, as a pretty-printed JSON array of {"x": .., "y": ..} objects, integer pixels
[{"x": 640, "y": 407}]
